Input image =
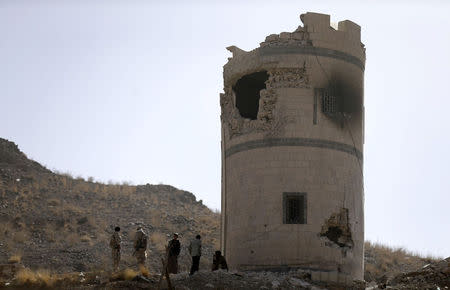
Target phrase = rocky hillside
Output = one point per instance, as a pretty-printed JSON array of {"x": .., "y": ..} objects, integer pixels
[
  {"x": 63, "y": 224},
  {"x": 60, "y": 223}
]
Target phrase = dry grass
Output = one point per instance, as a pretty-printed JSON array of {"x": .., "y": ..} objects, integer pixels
[
  {"x": 382, "y": 260},
  {"x": 52, "y": 207},
  {"x": 53, "y": 202},
  {"x": 144, "y": 270},
  {"x": 85, "y": 239},
  {"x": 39, "y": 277},
  {"x": 127, "y": 274},
  {"x": 15, "y": 259},
  {"x": 71, "y": 209}
]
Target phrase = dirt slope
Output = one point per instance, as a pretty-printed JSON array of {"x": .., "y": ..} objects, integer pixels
[{"x": 63, "y": 224}]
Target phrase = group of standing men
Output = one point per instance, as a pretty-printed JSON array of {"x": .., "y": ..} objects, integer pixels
[{"x": 172, "y": 249}]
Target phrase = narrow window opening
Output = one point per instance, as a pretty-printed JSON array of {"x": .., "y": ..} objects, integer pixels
[
  {"x": 294, "y": 208},
  {"x": 329, "y": 103},
  {"x": 247, "y": 91},
  {"x": 341, "y": 97}
]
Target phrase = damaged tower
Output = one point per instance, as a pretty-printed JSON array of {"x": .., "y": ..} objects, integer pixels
[{"x": 292, "y": 143}]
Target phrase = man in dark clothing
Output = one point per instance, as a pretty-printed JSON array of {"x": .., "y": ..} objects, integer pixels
[
  {"x": 219, "y": 262},
  {"x": 173, "y": 251},
  {"x": 195, "y": 249}
]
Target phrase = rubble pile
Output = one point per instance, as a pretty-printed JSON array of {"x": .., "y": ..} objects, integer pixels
[
  {"x": 242, "y": 280},
  {"x": 432, "y": 276}
]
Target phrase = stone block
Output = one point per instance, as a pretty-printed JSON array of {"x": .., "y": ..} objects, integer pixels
[
  {"x": 316, "y": 22},
  {"x": 272, "y": 37},
  {"x": 333, "y": 276},
  {"x": 344, "y": 279},
  {"x": 352, "y": 30},
  {"x": 298, "y": 36},
  {"x": 315, "y": 276},
  {"x": 285, "y": 35}
]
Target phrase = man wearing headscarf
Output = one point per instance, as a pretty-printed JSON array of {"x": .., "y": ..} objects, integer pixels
[{"x": 173, "y": 250}]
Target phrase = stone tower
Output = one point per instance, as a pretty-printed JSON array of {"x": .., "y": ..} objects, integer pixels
[{"x": 292, "y": 143}]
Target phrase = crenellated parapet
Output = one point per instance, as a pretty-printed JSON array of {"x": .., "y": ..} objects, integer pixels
[
  {"x": 315, "y": 38},
  {"x": 317, "y": 32}
]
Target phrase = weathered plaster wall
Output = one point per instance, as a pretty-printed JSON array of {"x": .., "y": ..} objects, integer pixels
[{"x": 292, "y": 146}]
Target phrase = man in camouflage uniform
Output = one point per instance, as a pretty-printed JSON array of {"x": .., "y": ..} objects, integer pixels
[
  {"x": 140, "y": 247},
  {"x": 114, "y": 243}
]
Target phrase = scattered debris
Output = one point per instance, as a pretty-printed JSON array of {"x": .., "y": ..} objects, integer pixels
[{"x": 432, "y": 276}]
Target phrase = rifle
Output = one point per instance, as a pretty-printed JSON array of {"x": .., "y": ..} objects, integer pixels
[{"x": 164, "y": 271}]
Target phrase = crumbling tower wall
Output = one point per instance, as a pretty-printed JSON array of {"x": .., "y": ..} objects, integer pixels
[{"x": 292, "y": 143}]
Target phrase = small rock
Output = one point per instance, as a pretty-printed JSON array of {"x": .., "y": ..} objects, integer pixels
[
  {"x": 298, "y": 282},
  {"x": 275, "y": 284}
]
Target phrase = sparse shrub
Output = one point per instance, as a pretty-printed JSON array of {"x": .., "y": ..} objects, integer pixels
[
  {"x": 15, "y": 259},
  {"x": 144, "y": 270},
  {"x": 53, "y": 202},
  {"x": 82, "y": 220},
  {"x": 127, "y": 274},
  {"x": 67, "y": 174},
  {"x": 85, "y": 239},
  {"x": 39, "y": 277},
  {"x": 72, "y": 209},
  {"x": 383, "y": 260}
]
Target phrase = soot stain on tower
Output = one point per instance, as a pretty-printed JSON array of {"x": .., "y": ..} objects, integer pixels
[{"x": 292, "y": 142}]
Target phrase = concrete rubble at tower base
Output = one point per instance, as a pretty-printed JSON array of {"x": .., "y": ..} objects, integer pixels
[
  {"x": 256, "y": 280},
  {"x": 432, "y": 276}
]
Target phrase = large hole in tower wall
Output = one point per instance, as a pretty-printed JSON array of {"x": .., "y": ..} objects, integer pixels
[
  {"x": 337, "y": 229},
  {"x": 247, "y": 90}
]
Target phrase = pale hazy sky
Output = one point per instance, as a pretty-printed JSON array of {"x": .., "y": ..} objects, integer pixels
[{"x": 129, "y": 91}]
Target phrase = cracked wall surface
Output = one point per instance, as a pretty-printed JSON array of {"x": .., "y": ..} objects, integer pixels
[{"x": 337, "y": 229}]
